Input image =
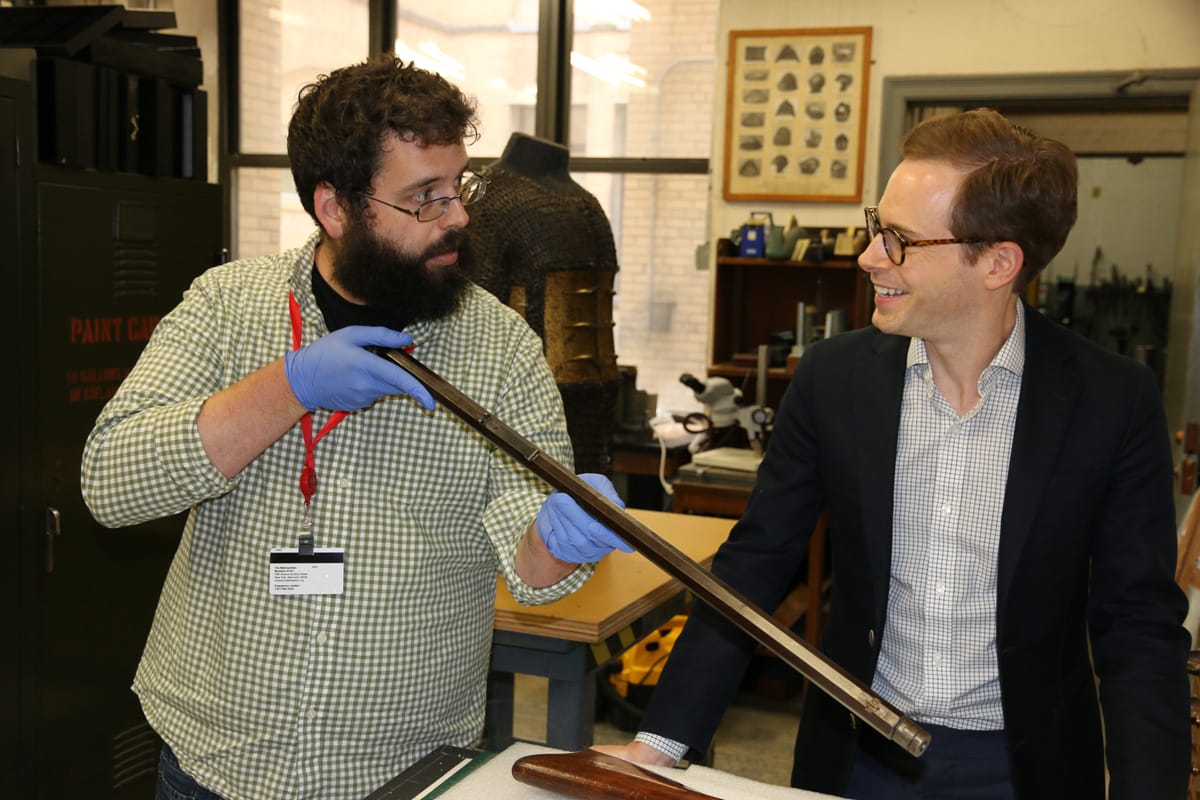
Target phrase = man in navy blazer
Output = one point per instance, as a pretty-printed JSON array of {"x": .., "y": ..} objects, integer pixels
[{"x": 1000, "y": 506}]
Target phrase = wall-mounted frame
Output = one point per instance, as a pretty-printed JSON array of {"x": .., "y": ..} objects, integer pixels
[{"x": 796, "y": 114}]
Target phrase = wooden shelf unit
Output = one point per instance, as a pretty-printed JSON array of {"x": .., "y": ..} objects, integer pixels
[{"x": 755, "y": 297}]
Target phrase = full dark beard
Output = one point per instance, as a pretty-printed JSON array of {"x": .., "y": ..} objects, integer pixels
[{"x": 375, "y": 272}]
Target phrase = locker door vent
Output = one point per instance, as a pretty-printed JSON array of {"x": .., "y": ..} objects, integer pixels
[
  {"x": 135, "y": 271},
  {"x": 136, "y": 256}
]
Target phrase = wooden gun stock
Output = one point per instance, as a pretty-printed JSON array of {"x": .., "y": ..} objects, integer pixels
[
  {"x": 592, "y": 775},
  {"x": 831, "y": 678}
]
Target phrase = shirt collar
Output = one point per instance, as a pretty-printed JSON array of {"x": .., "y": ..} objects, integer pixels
[
  {"x": 300, "y": 284},
  {"x": 1011, "y": 356}
]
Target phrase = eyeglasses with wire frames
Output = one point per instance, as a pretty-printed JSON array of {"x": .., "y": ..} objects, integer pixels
[
  {"x": 472, "y": 188},
  {"x": 894, "y": 242}
]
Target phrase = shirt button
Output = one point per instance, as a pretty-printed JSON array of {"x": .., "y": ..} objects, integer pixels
[
  {"x": 940, "y": 588},
  {"x": 343, "y": 483},
  {"x": 312, "y": 713},
  {"x": 871, "y": 637},
  {"x": 948, "y": 509},
  {"x": 322, "y": 638},
  {"x": 937, "y": 658}
]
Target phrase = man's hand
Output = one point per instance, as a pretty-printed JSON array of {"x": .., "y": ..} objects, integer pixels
[
  {"x": 637, "y": 752},
  {"x": 573, "y": 535},
  {"x": 336, "y": 372}
]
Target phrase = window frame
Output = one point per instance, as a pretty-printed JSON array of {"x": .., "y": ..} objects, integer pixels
[{"x": 552, "y": 109}]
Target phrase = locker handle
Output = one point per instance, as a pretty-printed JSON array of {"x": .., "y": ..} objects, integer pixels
[{"x": 53, "y": 531}]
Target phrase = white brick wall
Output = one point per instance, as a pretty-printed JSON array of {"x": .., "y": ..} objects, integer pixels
[
  {"x": 663, "y": 300},
  {"x": 257, "y": 196}
]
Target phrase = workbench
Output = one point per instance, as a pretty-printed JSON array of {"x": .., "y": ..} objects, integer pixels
[{"x": 568, "y": 640}]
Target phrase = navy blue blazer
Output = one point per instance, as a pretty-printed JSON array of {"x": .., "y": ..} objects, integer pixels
[{"x": 1086, "y": 557}]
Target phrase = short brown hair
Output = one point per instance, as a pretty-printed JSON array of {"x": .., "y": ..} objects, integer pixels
[
  {"x": 1019, "y": 187},
  {"x": 342, "y": 118}
]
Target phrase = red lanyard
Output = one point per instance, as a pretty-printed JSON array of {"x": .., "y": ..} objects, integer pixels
[{"x": 308, "y": 476}]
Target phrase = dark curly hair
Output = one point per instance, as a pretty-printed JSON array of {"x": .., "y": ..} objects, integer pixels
[
  {"x": 1020, "y": 187},
  {"x": 341, "y": 119}
]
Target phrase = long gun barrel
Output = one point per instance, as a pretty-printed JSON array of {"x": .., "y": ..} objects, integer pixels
[{"x": 809, "y": 662}]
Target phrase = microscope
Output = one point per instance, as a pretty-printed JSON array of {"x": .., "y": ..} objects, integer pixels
[{"x": 728, "y": 421}]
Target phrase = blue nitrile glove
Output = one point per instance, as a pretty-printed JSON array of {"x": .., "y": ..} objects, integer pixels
[
  {"x": 337, "y": 373},
  {"x": 573, "y": 535}
]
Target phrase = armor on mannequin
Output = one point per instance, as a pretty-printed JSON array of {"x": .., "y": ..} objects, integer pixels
[{"x": 542, "y": 244}]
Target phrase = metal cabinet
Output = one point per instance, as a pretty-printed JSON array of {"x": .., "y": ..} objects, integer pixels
[{"x": 99, "y": 258}]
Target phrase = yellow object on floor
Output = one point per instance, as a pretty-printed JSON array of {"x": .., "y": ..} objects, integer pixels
[{"x": 641, "y": 664}]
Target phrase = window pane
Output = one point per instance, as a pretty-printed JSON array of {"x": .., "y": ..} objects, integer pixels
[
  {"x": 661, "y": 305},
  {"x": 269, "y": 217},
  {"x": 644, "y": 72},
  {"x": 284, "y": 45},
  {"x": 487, "y": 49}
]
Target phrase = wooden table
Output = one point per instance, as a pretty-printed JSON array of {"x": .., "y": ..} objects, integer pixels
[
  {"x": 718, "y": 499},
  {"x": 635, "y": 472},
  {"x": 566, "y": 641},
  {"x": 645, "y": 459}
]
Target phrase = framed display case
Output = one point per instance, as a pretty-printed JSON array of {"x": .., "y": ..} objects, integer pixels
[{"x": 795, "y": 114}]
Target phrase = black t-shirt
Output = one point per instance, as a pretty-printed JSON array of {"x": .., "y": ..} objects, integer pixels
[{"x": 340, "y": 312}]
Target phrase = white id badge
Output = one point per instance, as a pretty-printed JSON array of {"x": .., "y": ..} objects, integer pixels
[{"x": 296, "y": 573}]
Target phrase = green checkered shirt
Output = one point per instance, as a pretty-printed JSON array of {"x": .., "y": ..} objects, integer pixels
[{"x": 277, "y": 697}]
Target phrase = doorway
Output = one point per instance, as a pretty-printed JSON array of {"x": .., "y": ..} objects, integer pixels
[{"x": 1071, "y": 98}]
